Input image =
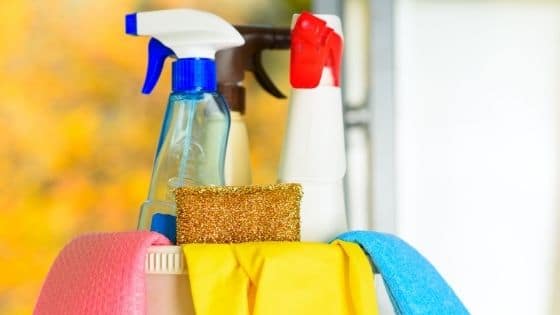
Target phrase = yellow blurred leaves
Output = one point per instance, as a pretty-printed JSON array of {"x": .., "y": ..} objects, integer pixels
[{"x": 15, "y": 17}]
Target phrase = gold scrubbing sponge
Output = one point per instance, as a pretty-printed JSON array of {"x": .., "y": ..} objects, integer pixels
[{"x": 236, "y": 214}]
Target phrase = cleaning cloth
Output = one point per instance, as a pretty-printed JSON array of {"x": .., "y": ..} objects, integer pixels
[
  {"x": 99, "y": 274},
  {"x": 279, "y": 278},
  {"x": 413, "y": 284}
]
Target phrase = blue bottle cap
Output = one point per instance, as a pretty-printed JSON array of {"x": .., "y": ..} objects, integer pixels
[
  {"x": 165, "y": 224},
  {"x": 194, "y": 74}
]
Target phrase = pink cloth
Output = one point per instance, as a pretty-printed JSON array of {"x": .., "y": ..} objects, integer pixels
[{"x": 99, "y": 274}]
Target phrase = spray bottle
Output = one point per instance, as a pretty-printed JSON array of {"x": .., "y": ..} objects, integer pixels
[
  {"x": 314, "y": 151},
  {"x": 192, "y": 144},
  {"x": 232, "y": 64}
]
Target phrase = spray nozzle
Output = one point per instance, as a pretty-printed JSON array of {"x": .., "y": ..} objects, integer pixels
[
  {"x": 157, "y": 53},
  {"x": 192, "y": 36},
  {"x": 258, "y": 39},
  {"x": 262, "y": 77},
  {"x": 315, "y": 46},
  {"x": 232, "y": 63}
]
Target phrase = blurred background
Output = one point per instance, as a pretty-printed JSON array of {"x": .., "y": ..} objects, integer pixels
[
  {"x": 78, "y": 138},
  {"x": 451, "y": 118}
]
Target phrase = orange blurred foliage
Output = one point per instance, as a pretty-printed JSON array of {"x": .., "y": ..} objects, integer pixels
[{"x": 78, "y": 137}]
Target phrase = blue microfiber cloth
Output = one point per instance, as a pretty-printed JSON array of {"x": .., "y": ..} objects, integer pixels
[{"x": 413, "y": 284}]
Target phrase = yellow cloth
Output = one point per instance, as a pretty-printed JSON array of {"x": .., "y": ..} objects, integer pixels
[{"x": 280, "y": 278}]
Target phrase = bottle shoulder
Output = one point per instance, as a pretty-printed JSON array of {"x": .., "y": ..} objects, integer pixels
[
  {"x": 197, "y": 96},
  {"x": 206, "y": 103}
]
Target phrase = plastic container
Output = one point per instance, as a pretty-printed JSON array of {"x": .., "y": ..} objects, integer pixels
[
  {"x": 192, "y": 145},
  {"x": 314, "y": 152},
  {"x": 237, "y": 170},
  {"x": 232, "y": 64},
  {"x": 167, "y": 284},
  {"x": 168, "y": 290}
]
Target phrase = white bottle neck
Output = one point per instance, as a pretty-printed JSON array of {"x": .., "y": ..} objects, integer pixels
[
  {"x": 327, "y": 78},
  {"x": 327, "y": 81}
]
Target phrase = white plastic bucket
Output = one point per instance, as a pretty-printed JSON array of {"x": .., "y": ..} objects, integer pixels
[{"x": 167, "y": 284}]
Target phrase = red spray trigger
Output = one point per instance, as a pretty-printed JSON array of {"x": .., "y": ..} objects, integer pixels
[{"x": 314, "y": 47}]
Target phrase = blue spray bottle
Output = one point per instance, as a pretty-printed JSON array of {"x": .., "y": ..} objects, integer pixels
[{"x": 192, "y": 144}]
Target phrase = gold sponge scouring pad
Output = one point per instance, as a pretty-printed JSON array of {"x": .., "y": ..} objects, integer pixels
[{"x": 236, "y": 214}]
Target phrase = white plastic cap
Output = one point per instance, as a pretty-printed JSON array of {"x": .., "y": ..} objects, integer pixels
[{"x": 165, "y": 260}]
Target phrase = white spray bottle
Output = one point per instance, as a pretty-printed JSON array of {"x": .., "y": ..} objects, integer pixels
[
  {"x": 314, "y": 151},
  {"x": 192, "y": 144}
]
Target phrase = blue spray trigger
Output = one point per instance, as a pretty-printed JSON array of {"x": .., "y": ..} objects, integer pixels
[{"x": 157, "y": 52}]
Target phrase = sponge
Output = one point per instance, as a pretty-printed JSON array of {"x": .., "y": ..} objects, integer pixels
[{"x": 236, "y": 214}]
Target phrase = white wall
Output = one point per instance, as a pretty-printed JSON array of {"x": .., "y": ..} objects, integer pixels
[{"x": 477, "y": 93}]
